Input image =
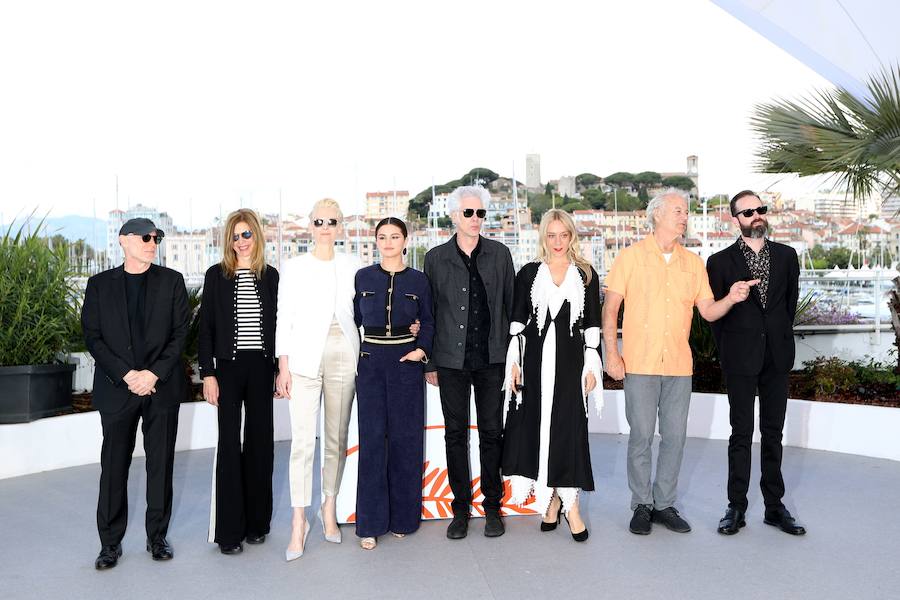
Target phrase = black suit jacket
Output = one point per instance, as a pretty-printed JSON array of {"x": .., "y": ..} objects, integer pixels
[
  {"x": 217, "y": 322},
  {"x": 104, "y": 319},
  {"x": 744, "y": 332},
  {"x": 449, "y": 279}
]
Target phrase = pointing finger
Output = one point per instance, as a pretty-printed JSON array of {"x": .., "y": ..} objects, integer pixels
[{"x": 753, "y": 282}]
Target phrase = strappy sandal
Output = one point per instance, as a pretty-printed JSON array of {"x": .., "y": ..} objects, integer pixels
[{"x": 368, "y": 543}]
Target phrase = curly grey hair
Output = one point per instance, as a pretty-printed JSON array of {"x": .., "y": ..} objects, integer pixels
[
  {"x": 657, "y": 203},
  {"x": 467, "y": 191}
]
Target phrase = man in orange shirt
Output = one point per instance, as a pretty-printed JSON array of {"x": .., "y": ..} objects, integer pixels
[{"x": 660, "y": 283}]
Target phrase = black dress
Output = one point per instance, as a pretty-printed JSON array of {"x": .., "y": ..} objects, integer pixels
[{"x": 559, "y": 327}]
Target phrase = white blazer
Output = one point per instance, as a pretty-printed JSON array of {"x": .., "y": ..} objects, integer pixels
[{"x": 306, "y": 303}]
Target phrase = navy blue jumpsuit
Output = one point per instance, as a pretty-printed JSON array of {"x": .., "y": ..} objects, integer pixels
[{"x": 390, "y": 398}]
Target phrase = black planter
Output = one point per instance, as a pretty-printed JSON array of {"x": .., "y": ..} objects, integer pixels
[{"x": 30, "y": 392}]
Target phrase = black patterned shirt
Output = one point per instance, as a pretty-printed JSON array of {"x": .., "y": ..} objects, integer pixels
[{"x": 759, "y": 267}]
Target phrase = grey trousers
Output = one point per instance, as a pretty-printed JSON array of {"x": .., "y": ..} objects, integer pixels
[{"x": 645, "y": 397}]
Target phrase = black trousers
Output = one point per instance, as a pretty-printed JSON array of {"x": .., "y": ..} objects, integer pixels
[
  {"x": 455, "y": 387},
  {"x": 243, "y": 473},
  {"x": 159, "y": 425},
  {"x": 773, "y": 392}
]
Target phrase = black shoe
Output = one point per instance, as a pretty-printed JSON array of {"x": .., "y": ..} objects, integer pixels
[
  {"x": 581, "y": 535},
  {"x": 784, "y": 521},
  {"x": 109, "y": 557},
  {"x": 160, "y": 549},
  {"x": 493, "y": 524},
  {"x": 230, "y": 548},
  {"x": 671, "y": 519},
  {"x": 545, "y": 526},
  {"x": 732, "y": 522},
  {"x": 256, "y": 539},
  {"x": 459, "y": 527},
  {"x": 641, "y": 522}
]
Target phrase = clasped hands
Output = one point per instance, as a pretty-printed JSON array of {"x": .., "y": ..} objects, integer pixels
[{"x": 141, "y": 383}]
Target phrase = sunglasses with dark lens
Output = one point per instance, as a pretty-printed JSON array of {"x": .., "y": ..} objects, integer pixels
[
  {"x": 147, "y": 237},
  {"x": 760, "y": 210},
  {"x": 468, "y": 212},
  {"x": 329, "y": 222},
  {"x": 244, "y": 234}
]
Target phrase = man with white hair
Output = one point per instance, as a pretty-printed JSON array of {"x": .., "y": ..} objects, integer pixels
[
  {"x": 659, "y": 282},
  {"x": 472, "y": 281}
]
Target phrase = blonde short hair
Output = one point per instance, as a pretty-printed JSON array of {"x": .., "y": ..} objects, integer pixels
[{"x": 327, "y": 203}]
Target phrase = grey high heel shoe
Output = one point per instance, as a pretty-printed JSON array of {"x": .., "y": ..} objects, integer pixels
[
  {"x": 290, "y": 555},
  {"x": 334, "y": 539}
]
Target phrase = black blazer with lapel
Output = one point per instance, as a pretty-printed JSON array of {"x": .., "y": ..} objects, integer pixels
[
  {"x": 217, "y": 321},
  {"x": 104, "y": 319},
  {"x": 743, "y": 333}
]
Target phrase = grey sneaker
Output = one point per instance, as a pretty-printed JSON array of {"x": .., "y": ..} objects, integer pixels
[{"x": 671, "y": 519}]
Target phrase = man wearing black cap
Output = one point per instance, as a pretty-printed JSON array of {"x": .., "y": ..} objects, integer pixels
[{"x": 135, "y": 319}]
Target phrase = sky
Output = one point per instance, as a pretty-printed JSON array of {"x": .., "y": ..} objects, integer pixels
[{"x": 198, "y": 108}]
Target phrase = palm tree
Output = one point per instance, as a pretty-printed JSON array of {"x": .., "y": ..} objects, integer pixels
[
  {"x": 832, "y": 132},
  {"x": 855, "y": 140}
]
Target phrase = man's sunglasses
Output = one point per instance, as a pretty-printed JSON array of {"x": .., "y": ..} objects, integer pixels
[
  {"x": 244, "y": 234},
  {"x": 760, "y": 210},
  {"x": 322, "y": 222},
  {"x": 468, "y": 212},
  {"x": 147, "y": 237}
]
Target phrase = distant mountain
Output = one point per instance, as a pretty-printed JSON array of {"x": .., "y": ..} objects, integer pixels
[{"x": 75, "y": 227}]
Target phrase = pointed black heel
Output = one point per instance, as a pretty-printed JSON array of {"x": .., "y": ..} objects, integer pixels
[
  {"x": 581, "y": 535},
  {"x": 551, "y": 526}
]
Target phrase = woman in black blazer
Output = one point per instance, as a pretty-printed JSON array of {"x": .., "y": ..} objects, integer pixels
[{"x": 237, "y": 364}]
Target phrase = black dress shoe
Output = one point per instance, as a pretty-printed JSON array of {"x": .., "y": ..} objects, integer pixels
[
  {"x": 109, "y": 557},
  {"x": 732, "y": 522},
  {"x": 231, "y": 548},
  {"x": 493, "y": 524},
  {"x": 641, "y": 522},
  {"x": 671, "y": 519},
  {"x": 160, "y": 549},
  {"x": 459, "y": 527},
  {"x": 784, "y": 521},
  {"x": 256, "y": 539}
]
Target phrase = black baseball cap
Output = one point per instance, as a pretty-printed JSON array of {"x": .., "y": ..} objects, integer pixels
[{"x": 141, "y": 226}]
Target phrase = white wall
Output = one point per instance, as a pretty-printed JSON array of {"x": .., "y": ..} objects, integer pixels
[{"x": 72, "y": 440}]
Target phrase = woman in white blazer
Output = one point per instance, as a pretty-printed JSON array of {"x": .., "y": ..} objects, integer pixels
[{"x": 317, "y": 344}]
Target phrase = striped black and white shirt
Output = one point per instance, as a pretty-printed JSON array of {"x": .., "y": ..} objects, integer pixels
[{"x": 247, "y": 312}]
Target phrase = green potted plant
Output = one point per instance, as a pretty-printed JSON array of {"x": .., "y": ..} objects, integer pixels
[{"x": 38, "y": 306}]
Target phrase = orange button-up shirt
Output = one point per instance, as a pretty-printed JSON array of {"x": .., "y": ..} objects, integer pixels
[{"x": 659, "y": 301}]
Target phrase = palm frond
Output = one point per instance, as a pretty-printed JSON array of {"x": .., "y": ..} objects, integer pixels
[{"x": 832, "y": 132}]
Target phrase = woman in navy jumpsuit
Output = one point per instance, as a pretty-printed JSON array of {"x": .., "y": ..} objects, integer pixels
[{"x": 390, "y": 388}]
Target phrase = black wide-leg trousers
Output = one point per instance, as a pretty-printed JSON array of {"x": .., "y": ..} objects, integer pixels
[
  {"x": 243, "y": 473},
  {"x": 159, "y": 426}
]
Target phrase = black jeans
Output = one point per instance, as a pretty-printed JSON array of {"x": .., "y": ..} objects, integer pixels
[
  {"x": 455, "y": 386},
  {"x": 773, "y": 391},
  {"x": 243, "y": 472},
  {"x": 159, "y": 426}
]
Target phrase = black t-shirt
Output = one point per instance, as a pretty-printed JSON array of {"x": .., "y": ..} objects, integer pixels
[{"x": 136, "y": 291}]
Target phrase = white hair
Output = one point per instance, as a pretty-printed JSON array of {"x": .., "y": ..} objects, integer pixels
[
  {"x": 657, "y": 203},
  {"x": 467, "y": 191}
]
